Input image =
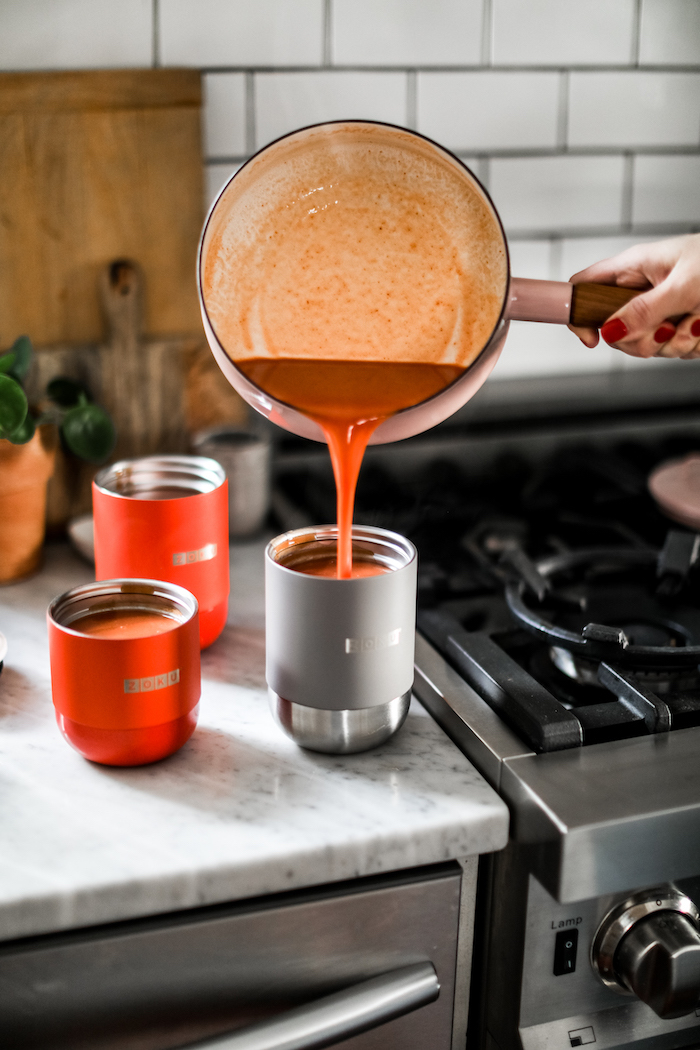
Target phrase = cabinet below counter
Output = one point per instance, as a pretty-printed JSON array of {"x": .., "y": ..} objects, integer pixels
[{"x": 239, "y": 812}]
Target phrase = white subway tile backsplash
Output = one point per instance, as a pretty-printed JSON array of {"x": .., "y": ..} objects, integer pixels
[
  {"x": 241, "y": 33},
  {"x": 520, "y": 83},
  {"x": 489, "y": 111},
  {"x": 562, "y": 32},
  {"x": 531, "y": 259},
  {"x": 286, "y": 101},
  {"x": 666, "y": 190},
  {"x": 577, "y": 253},
  {"x": 224, "y": 114},
  {"x": 555, "y": 193},
  {"x": 75, "y": 34},
  {"x": 634, "y": 109},
  {"x": 548, "y": 349},
  {"x": 406, "y": 32},
  {"x": 670, "y": 32},
  {"x": 215, "y": 177}
]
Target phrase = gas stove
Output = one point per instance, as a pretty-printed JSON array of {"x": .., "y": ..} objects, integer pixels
[{"x": 559, "y": 646}]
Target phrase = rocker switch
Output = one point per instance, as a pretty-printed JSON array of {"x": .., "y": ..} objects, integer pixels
[{"x": 565, "y": 945}]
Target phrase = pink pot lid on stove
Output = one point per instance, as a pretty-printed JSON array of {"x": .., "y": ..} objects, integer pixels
[{"x": 675, "y": 486}]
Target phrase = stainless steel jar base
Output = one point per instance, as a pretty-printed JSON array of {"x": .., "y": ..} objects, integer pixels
[{"x": 340, "y": 732}]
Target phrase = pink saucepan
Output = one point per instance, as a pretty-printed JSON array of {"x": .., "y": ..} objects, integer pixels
[{"x": 312, "y": 150}]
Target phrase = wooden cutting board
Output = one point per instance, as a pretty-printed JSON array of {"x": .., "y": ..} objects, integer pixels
[
  {"x": 98, "y": 166},
  {"x": 101, "y": 174}
]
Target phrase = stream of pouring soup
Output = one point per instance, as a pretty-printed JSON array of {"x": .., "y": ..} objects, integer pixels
[{"x": 352, "y": 271}]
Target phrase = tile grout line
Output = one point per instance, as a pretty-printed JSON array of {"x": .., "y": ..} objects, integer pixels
[
  {"x": 486, "y": 33},
  {"x": 327, "y": 57},
  {"x": 636, "y": 34},
  {"x": 556, "y": 248},
  {"x": 563, "y": 110},
  {"x": 627, "y": 191},
  {"x": 412, "y": 99},
  {"x": 155, "y": 33},
  {"x": 483, "y": 171},
  {"x": 642, "y": 229},
  {"x": 250, "y": 112},
  {"x": 466, "y": 67},
  {"x": 541, "y": 154}
]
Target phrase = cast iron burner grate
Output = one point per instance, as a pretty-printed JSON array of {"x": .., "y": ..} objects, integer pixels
[{"x": 606, "y": 644}]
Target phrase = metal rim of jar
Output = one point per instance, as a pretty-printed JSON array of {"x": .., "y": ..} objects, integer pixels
[
  {"x": 392, "y": 541},
  {"x": 180, "y": 597},
  {"x": 149, "y": 472}
]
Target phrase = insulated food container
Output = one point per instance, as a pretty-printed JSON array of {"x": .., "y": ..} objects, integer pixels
[
  {"x": 125, "y": 669},
  {"x": 166, "y": 518},
  {"x": 339, "y": 652}
]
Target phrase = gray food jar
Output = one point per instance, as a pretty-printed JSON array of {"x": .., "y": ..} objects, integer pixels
[
  {"x": 339, "y": 653},
  {"x": 245, "y": 457}
]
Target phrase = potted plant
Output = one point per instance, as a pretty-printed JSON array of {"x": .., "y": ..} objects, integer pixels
[{"x": 28, "y": 442}]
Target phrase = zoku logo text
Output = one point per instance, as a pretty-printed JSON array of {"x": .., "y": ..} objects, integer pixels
[
  {"x": 156, "y": 681},
  {"x": 368, "y": 645},
  {"x": 190, "y": 557}
]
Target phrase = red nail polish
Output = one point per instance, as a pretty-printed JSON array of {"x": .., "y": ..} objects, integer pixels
[
  {"x": 695, "y": 328},
  {"x": 613, "y": 330},
  {"x": 664, "y": 333}
]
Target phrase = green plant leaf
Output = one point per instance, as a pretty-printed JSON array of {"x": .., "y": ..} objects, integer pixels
[
  {"x": 7, "y": 362},
  {"x": 66, "y": 392},
  {"x": 89, "y": 432},
  {"x": 13, "y": 405},
  {"x": 22, "y": 349},
  {"x": 25, "y": 431}
]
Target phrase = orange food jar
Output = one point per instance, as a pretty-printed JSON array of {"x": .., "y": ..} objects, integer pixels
[
  {"x": 166, "y": 518},
  {"x": 125, "y": 669}
]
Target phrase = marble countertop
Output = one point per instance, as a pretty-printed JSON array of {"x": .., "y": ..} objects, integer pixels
[{"x": 238, "y": 812}]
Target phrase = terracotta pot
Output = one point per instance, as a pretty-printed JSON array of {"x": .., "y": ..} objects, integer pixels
[{"x": 24, "y": 473}]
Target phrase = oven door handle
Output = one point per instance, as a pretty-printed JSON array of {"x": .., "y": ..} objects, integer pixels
[{"x": 336, "y": 1017}]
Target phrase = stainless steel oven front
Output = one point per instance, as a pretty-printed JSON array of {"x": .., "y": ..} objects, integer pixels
[
  {"x": 590, "y": 918},
  {"x": 370, "y": 963}
]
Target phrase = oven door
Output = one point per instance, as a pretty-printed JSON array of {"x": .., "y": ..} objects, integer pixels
[{"x": 306, "y": 969}]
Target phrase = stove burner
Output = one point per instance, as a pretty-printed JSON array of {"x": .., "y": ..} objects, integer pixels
[
  {"x": 585, "y": 672},
  {"x": 604, "y": 604}
]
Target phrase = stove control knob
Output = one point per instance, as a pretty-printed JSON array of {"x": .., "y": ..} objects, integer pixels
[
  {"x": 649, "y": 946},
  {"x": 659, "y": 960}
]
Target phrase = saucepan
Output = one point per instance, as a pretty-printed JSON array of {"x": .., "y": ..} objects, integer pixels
[{"x": 457, "y": 273}]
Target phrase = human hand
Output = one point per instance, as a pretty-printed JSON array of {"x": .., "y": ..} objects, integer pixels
[{"x": 669, "y": 271}]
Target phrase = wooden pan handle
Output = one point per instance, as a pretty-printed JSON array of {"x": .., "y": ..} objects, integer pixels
[{"x": 592, "y": 304}]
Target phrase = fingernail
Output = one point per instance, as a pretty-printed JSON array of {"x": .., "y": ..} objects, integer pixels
[
  {"x": 695, "y": 328},
  {"x": 663, "y": 334},
  {"x": 613, "y": 330}
]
